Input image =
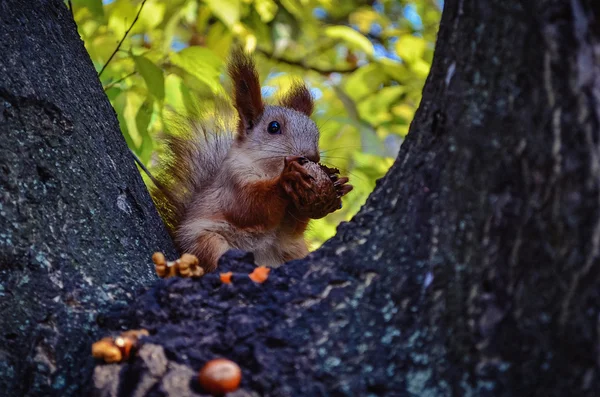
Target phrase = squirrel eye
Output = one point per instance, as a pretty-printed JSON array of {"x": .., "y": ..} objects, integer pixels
[{"x": 274, "y": 128}]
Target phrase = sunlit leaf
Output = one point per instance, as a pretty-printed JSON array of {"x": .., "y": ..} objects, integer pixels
[
  {"x": 227, "y": 11},
  {"x": 95, "y": 6},
  {"x": 376, "y": 108},
  {"x": 350, "y": 36},
  {"x": 266, "y": 9},
  {"x": 121, "y": 16},
  {"x": 365, "y": 81},
  {"x": 219, "y": 38},
  {"x": 411, "y": 48},
  {"x": 201, "y": 63},
  {"x": 142, "y": 122},
  {"x": 153, "y": 76},
  {"x": 364, "y": 18},
  {"x": 151, "y": 15}
]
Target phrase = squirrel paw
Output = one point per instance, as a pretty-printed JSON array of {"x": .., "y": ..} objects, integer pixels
[
  {"x": 186, "y": 266},
  {"x": 314, "y": 189},
  {"x": 296, "y": 181},
  {"x": 341, "y": 185}
]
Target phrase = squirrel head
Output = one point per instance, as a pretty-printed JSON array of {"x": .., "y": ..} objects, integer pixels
[{"x": 271, "y": 132}]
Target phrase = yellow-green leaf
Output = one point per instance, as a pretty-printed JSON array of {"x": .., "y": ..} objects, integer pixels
[
  {"x": 201, "y": 63},
  {"x": 350, "y": 36},
  {"x": 153, "y": 76},
  {"x": 95, "y": 6},
  {"x": 410, "y": 48},
  {"x": 266, "y": 9},
  {"x": 227, "y": 11}
]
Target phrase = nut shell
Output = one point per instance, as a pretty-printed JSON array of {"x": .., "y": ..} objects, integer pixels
[
  {"x": 220, "y": 376},
  {"x": 324, "y": 191}
]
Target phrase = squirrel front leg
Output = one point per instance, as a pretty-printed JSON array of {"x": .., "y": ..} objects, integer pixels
[
  {"x": 208, "y": 248},
  {"x": 264, "y": 204}
]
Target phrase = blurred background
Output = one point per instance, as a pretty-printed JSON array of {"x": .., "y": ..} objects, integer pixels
[{"x": 364, "y": 61}]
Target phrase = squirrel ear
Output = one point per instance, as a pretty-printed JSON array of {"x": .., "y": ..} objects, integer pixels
[
  {"x": 246, "y": 89},
  {"x": 298, "y": 98}
]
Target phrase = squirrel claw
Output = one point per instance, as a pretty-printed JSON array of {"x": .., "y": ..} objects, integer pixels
[{"x": 295, "y": 178}]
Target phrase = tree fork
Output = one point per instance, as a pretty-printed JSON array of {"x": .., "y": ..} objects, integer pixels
[{"x": 473, "y": 267}]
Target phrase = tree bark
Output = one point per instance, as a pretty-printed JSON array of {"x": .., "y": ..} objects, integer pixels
[
  {"x": 77, "y": 226},
  {"x": 471, "y": 270},
  {"x": 473, "y": 267}
]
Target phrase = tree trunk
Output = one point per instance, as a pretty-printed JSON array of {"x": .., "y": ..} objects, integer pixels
[
  {"x": 471, "y": 270},
  {"x": 77, "y": 226}
]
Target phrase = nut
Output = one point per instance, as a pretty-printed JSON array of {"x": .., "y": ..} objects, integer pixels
[
  {"x": 106, "y": 350},
  {"x": 324, "y": 191},
  {"x": 220, "y": 376},
  {"x": 113, "y": 350},
  {"x": 186, "y": 266}
]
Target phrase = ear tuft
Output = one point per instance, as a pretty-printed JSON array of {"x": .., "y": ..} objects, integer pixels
[
  {"x": 246, "y": 88},
  {"x": 298, "y": 98}
]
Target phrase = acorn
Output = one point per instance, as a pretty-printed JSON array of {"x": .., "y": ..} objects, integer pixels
[
  {"x": 325, "y": 193},
  {"x": 220, "y": 376}
]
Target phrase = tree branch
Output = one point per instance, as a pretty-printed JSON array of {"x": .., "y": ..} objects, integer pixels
[
  {"x": 111, "y": 85},
  {"x": 123, "y": 39},
  {"x": 303, "y": 65}
]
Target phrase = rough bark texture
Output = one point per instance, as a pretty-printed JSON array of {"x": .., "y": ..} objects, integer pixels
[
  {"x": 77, "y": 226},
  {"x": 472, "y": 269}
]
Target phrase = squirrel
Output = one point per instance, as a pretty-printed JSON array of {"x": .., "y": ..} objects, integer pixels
[{"x": 237, "y": 182}]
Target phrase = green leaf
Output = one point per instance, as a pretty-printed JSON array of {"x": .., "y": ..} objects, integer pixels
[
  {"x": 201, "y": 63},
  {"x": 376, "y": 108},
  {"x": 120, "y": 16},
  {"x": 95, "y": 6},
  {"x": 266, "y": 9},
  {"x": 411, "y": 48},
  {"x": 142, "y": 121},
  {"x": 365, "y": 81},
  {"x": 364, "y": 18},
  {"x": 153, "y": 76},
  {"x": 151, "y": 16},
  {"x": 350, "y": 36},
  {"x": 227, "y": 11}
]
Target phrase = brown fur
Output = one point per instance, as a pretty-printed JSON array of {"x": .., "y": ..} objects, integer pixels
[
  {"x": 298, "y": 98},
  {"x": 221, "y": 192},
  {"x": 246, "y": 90}
]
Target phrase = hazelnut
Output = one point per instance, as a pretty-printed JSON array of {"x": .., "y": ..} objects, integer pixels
[
  {"x": 113, "y": 350},
  {"x": 106, "y": 350},
  {"x": 220, "y": 376}
]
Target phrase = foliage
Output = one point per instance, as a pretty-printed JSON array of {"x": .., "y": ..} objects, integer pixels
[{"x": 365, "y": 62}]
